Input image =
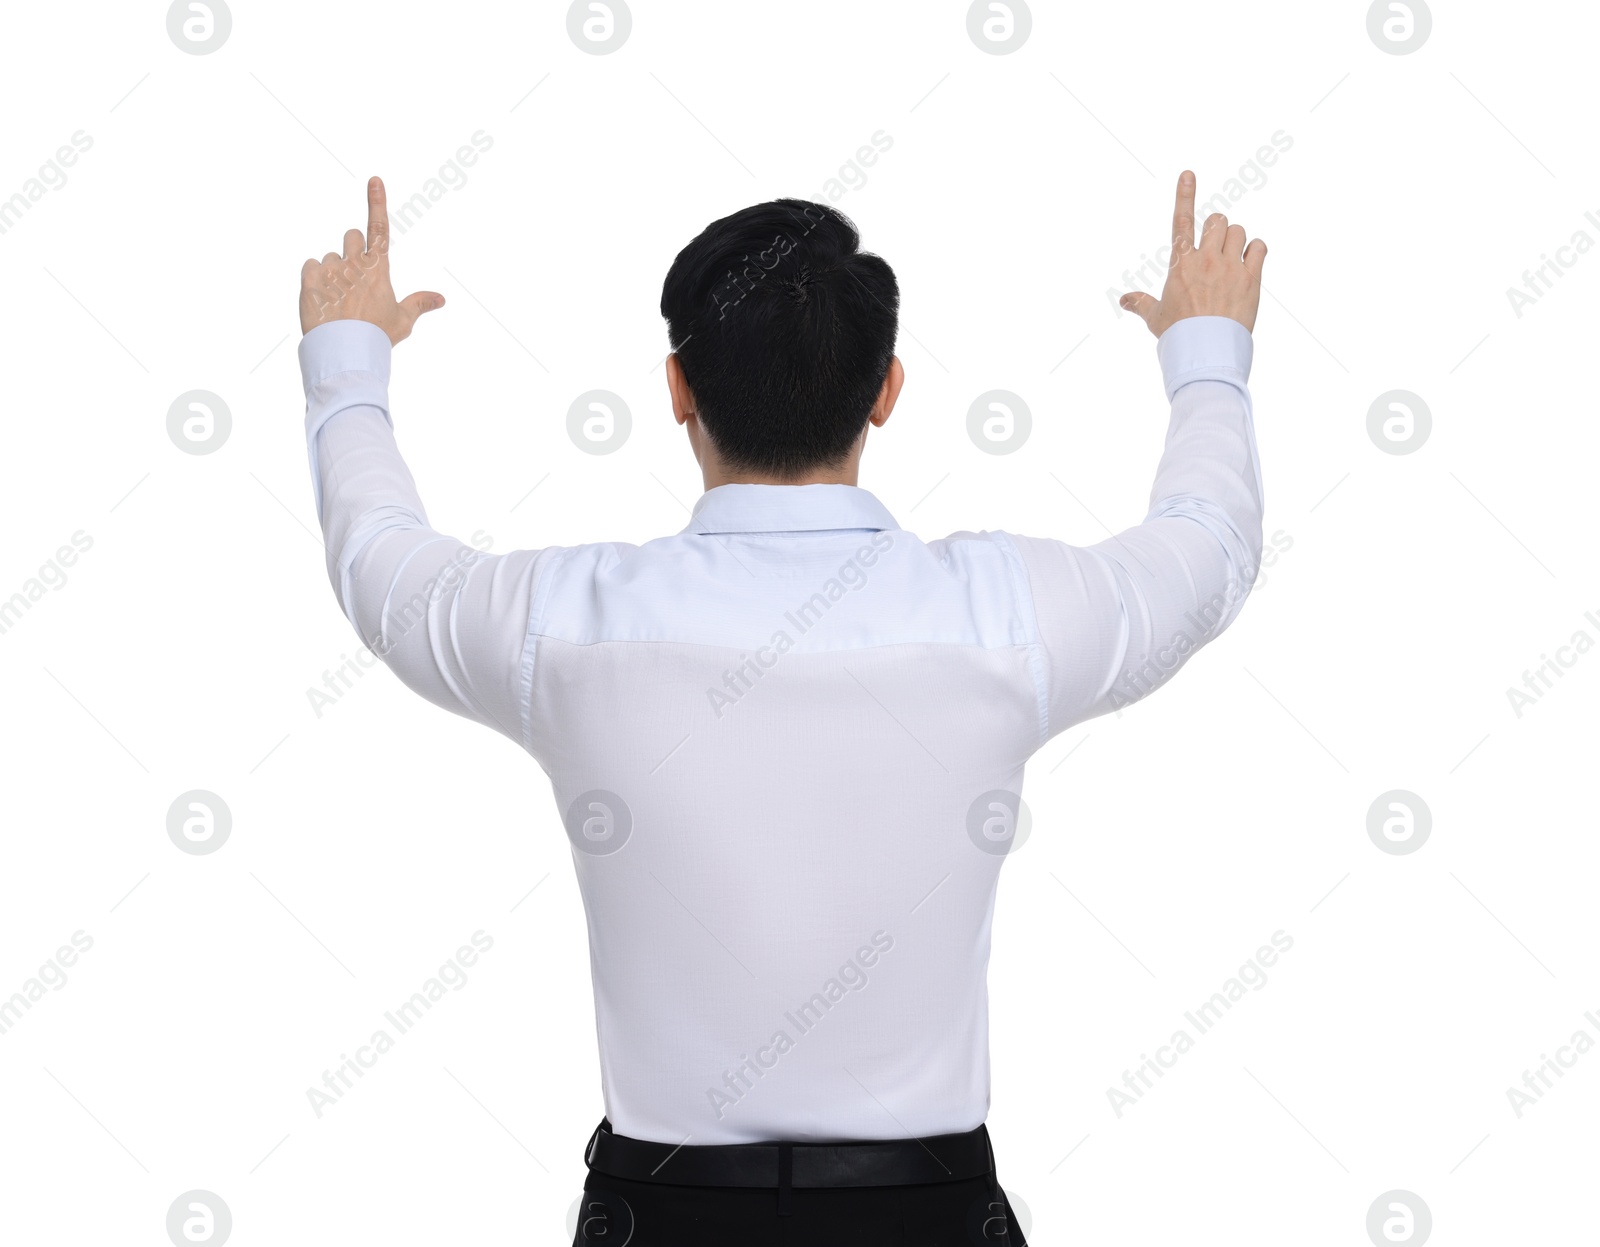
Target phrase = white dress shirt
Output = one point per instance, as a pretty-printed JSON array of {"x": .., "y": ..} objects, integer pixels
[{"x": 788, "y": 742}]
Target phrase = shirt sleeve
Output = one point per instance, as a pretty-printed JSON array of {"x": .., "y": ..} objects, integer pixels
[
  {"x": 1117, "y": 619},
  {"x": 451, "y": 620}
]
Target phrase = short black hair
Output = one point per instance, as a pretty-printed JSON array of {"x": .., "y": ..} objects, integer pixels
[{"x": 785, "y": 332}]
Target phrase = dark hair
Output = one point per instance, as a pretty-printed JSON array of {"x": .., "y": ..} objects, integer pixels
[{"x": 784, "y": 331}]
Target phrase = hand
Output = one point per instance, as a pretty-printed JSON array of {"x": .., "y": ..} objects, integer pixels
[
  {"x": 1220, "y": 277},
  {"x": 356, "y": 286}
]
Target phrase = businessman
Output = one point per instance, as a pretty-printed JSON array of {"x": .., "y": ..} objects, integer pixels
[{"x": 787, "y": 742}]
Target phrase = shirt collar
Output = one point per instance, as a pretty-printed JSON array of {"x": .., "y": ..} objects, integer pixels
[{"x": 743, "y": 508}]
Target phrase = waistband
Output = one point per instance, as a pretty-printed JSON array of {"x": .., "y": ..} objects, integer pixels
[{"x": 785, "y": 1165}]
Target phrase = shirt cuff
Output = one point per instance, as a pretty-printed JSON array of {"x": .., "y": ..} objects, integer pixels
[
  {"x": 343, "y": 364},
  {"x": 1204, "y": 348},
  {"x": 337, "y": 346}
]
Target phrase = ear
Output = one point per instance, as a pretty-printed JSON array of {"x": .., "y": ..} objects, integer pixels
[
  {"x": 887, "y": 396},
  {"x": 678, "y": 387}
]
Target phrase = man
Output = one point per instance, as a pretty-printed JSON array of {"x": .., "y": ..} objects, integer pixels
[{"x": 788, "y": 742}]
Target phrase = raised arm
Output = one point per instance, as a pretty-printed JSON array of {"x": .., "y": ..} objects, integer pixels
[
  {"x": 449, "y": 619},
  {"x": 1117, "y": 619}
]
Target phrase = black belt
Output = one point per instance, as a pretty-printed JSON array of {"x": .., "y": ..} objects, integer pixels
[{"x": 784, "y": 1165}]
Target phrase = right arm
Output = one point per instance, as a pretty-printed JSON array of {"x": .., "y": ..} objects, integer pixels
[{"x": 1117, "y": 619}]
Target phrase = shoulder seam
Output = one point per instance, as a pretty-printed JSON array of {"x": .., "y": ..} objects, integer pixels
[
  {"x": 536, "y": 609},
  {"x": 1028, "y": 617}
]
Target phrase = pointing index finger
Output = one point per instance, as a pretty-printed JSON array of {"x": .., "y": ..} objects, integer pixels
[
  {"x": 1183, "y": 215},
  {"x": 377, "y": 218}
]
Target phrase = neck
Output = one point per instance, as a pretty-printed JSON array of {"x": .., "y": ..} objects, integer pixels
[{"x": 844, "y": 476}]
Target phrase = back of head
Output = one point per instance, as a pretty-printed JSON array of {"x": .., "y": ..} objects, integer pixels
[{"x": 785, "y": 332}]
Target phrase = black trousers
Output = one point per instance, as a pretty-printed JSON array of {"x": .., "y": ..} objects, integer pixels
[{"x": 617, "y": 1212}]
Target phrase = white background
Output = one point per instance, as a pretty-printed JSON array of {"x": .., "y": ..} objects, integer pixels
[{"x": 370, "y": 842}]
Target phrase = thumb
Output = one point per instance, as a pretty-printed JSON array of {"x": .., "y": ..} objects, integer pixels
[
  {"x": 1140, "y": 304},
  {"x": 422, "y": 301}
]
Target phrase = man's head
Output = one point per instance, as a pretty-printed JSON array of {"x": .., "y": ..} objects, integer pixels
[{"x": 783, "y": 337}]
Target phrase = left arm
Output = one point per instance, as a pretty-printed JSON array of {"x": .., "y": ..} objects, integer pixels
[{"x": 451, "y": 621}]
